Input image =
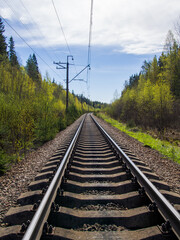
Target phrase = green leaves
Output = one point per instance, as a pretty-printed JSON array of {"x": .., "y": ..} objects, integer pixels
[
  {"x": 33, "y": 70},
  {"x": 3, "y": 44},
  {"x": 28, "y": 115},
  {"x": 164, "y": 147},
  {"x": 12, "y": 54},
  {"x": 32, "y": 110},
  {"x": 151, "y": 99}
]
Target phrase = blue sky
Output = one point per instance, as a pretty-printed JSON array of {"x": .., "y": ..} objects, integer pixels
[{"x": 124, "y": 34}]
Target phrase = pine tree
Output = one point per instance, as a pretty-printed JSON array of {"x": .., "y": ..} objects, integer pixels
[
  {"x": 32, "y": 69},
  {"x": 3, "y": 45},
  {"x": 12, "y": 54},
  {"x": 35, "y": 62}
]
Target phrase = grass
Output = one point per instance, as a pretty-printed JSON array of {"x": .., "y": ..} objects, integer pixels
[{"x": 164, "y": 147}]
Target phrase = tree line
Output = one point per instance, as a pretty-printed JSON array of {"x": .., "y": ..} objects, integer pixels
[
  {"x": 151, "y": 99},
  {"x": 32, "y": 108},
  {"x": 94, "y": 104}
]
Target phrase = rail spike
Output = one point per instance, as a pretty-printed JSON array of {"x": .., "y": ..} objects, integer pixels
[
  {"x": 24, "y": 226},
  {"x": 141, "y": 192},
  {"x": 153, "y": 207},
  {"x": 45, "y": 227},
  {"x": 166, "y": 227}
]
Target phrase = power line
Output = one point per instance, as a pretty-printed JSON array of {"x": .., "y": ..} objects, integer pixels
[
  {"x": 89, "y": 45},
  {"x": 36, "y": 26},
  {"x": 90, "y": 34},
  {"x": 89, "y": 48},
  {"x": 63, "y": 34},
  {"x": 15, "y": 13},
  {"x": 26, "y": 27},
  {"x": 28, "y": 30},
  {"x": 29, "y": 46},
  {"x": 61, "y": 27}
]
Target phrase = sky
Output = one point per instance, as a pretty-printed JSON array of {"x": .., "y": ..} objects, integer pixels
[{"x": 124, "y": 34}]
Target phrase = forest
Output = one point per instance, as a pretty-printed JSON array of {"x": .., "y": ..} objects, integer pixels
[
  {"x": 32, "y": 109},
  {"x": 151, "y": 99}
]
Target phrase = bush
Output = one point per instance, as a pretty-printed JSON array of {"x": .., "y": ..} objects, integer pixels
[{"x": 5, "y": 161}]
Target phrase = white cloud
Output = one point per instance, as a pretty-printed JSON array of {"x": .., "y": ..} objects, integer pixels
[
  {"x": 24, "y": 19},
  {"x": 131, "y": 26},
  {"x": 6, "y": 13}
]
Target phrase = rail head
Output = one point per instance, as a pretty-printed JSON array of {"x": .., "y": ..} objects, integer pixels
[
  {"x": 165, "y": 208},
  {"x": 35, "y": 228}
]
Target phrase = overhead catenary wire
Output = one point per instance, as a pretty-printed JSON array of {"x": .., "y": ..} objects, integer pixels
[
  {"x": 89, "y": 49},
  {"x": 90, "y": 34},
  {"x": 25, "y": 25},
  {"x": 61, "y": 27},
  {"x": 35, "y": 24},
  {"x": 29, "y": 45},
  {"x": 29, "y": 31}
]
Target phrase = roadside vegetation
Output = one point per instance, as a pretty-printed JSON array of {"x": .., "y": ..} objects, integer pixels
[
  {"x": 164, "y": 147},
  {"x": 32, "y": 108},
  {"x": 151, "y": 101}
]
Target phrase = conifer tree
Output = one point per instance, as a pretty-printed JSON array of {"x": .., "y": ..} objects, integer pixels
[
  {"x": 35, "y": 62},
  {"x": 12, "y": 54},
  {"x": 32, "y": 69},
  {"x": 3, "y": 45}
]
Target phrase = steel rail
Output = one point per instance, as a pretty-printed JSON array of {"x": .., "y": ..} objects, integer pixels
[
  {"x": 165, "y": 208},
  {"x": 35, "y": 228}
]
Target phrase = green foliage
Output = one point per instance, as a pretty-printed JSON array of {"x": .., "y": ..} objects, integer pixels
[
  {"x": 5, "y": 161},
  {"x": 45, "y": 113},
  {"x": 29, "y": 116},
  {"x": 151, "y": 99},
  {"x": 33, "y": 70},
  {"x": 91, "y": 104},
  {"x": 12, "y": 54},
  {"x": 3, "y": 44},
  {"x": 163, "y": 147},
  {"x": 32, "y": 109}
]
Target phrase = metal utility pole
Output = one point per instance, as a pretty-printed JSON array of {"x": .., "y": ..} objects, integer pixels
[
  {"x": 67, "y": 82},
  {"x": 60, "y": 66}
]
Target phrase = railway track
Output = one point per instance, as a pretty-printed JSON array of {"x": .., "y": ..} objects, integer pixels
[{"x": 93, "y": 189}]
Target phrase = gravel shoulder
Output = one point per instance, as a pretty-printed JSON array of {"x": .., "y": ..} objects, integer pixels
[
  {"x": 17, "y": 179},
  {"x": 166, "y": 169}
]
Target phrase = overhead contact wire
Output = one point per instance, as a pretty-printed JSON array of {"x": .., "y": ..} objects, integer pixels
[
  {"x": 89, "y": 47},
  {"x": 36, "y": 26},
  {"x": 63, "y": 33},
  {"x": 29, "y": 45},
  {"x": 61, "y": 27}
]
